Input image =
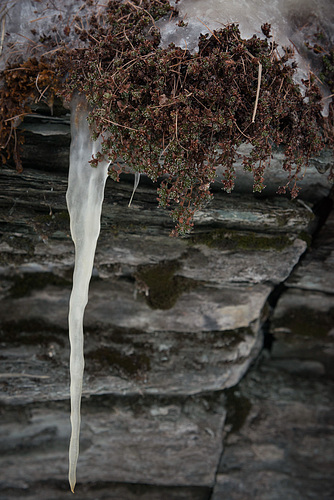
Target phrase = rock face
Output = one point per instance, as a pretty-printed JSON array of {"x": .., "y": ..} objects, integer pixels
[
  {"x": 171, "y": 407},
  {"x": 280, "y": 433}
]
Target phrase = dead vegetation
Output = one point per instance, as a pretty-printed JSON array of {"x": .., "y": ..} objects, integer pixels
[{"x": 170, "y": 114}]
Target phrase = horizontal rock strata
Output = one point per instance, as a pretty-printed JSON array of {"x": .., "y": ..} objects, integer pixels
[{"x": 171, "y": 328}]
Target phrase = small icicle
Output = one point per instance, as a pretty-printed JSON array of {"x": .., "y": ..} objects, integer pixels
[
  {"x": 84, "y": 200},
  {"x": 135, "y": 185}
]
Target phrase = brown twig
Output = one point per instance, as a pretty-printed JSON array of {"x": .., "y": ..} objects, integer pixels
[
  {"x": 16, "y": 116},
  {"x": 241, "y": 132},
  {"x": 257, "y": 91},
  {"x": 42, "y": 93},
  {"x": 212, "y": 33},
  {"x": 119, "y": 125},
  {"x": 3, "y": 26},
  {"x": 141, "y": 8}
]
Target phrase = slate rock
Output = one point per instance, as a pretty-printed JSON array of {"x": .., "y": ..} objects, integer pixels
[
  {"x": 282, "y": 446},
  {"x": 134, "y": 439}
]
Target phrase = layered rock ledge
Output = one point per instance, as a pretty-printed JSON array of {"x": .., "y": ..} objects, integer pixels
[{"x": 180, "y": 398}]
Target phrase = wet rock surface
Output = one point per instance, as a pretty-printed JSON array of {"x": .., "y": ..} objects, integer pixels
[{"x": 180, "y": 399}]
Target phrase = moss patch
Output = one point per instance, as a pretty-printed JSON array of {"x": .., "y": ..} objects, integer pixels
[
  {"x": 49, "y": 224},
  {"x": 234, "y": 240},
  {"x": 31, "y": 332},
  {"x": 163, "y": 287},
  {"x": 23, "y": 285},
  {"x": 305, "y": 322},
  {"x": 238, "y": 408},
  {"x": 127, "y": 365},
  {"x": 303, "y": 235}
]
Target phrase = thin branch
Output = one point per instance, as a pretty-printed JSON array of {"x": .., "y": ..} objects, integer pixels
[
  {"x": 3, "y": 13},
  {"x": 241, "y": 132},
  {"x": 209, "y": 30},
  {"x": 16, "y": 116},
  {"x": 128, "y": 39},
  {"x": 3, "y": 23},
  {"x": 119, "y": 125},
  {"x": 38, "y": 19},
  {"x": 137, "y": 7},
  {"x": 42, "y": 93},
  {"x": 257, "y": 91},
  {"x": 327, "y": 97},
  {"x": 129, "y": 64},
  {"x": 37, "y": 87},
  {"x": 29, "y": 39}
]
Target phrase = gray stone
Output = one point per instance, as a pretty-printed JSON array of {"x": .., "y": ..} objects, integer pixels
[
  {"x": 303, "y": 326},
  {"x": 147, "y": 350},
  {"x": 137, "y": 439},
  {"x": 108, "y": 491},
  {"x": 316, "y": 271},
  {"x": 170, "y": 324},
  {"x": 279, "y": 432},
  {"x": 279, "y": 438},
  {"x": 314, "y": 181},
  {"x": 197, "y": 331}
]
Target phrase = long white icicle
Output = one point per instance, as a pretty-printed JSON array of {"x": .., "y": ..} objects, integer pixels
[{"x": 84, "y": 198}]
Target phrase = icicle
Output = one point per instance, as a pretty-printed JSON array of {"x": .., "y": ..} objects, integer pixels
[
  {"x": 135, "y": 185},
  {"x": 84, "y": 200}
]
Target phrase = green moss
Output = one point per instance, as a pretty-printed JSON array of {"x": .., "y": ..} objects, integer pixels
[
  {"x": 306, "y": 322},
  {"x": 238, "y": 408},
  {"x": 303, "y": 235},
  {"x": 124, "y": 227},
  {"x": 59, "y": 221},
  {"x": 234, "y": 240},
  {"x": 282, "y": 220},
  {"x": 173, "y": 120},
  {"x": 31, "y": 332},
  {"x": 122, "y": 336},
  {"x": 23, "y": 285},
  {"x": 20, "y": 243},
  {"x": 164, "y": 288},
  {"x": 107, "y": 357}
]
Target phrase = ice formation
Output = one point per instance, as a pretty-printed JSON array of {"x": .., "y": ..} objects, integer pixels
[
  {"x": 293, "y": 22},
  {"x": 287, "y": 17},
  {"x": 84, "y": 197},
  {"x": 135, "y": 185}
]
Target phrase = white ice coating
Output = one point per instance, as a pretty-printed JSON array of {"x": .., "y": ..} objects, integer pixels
[
  {"x": 24, "y": 22},
  {"x": 292, "y": 23},
  {"x": 288, "y": 19},
  {"x": 84, "y": 198}
]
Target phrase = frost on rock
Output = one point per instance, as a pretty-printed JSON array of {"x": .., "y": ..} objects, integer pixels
[
  {"x": 25, "y": 23},
  {"x": 84, "y": 199},
  {"x": 293, "y": 23}
]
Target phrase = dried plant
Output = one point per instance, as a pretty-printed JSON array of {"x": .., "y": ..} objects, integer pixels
[{"x": 177, "y": 116}]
